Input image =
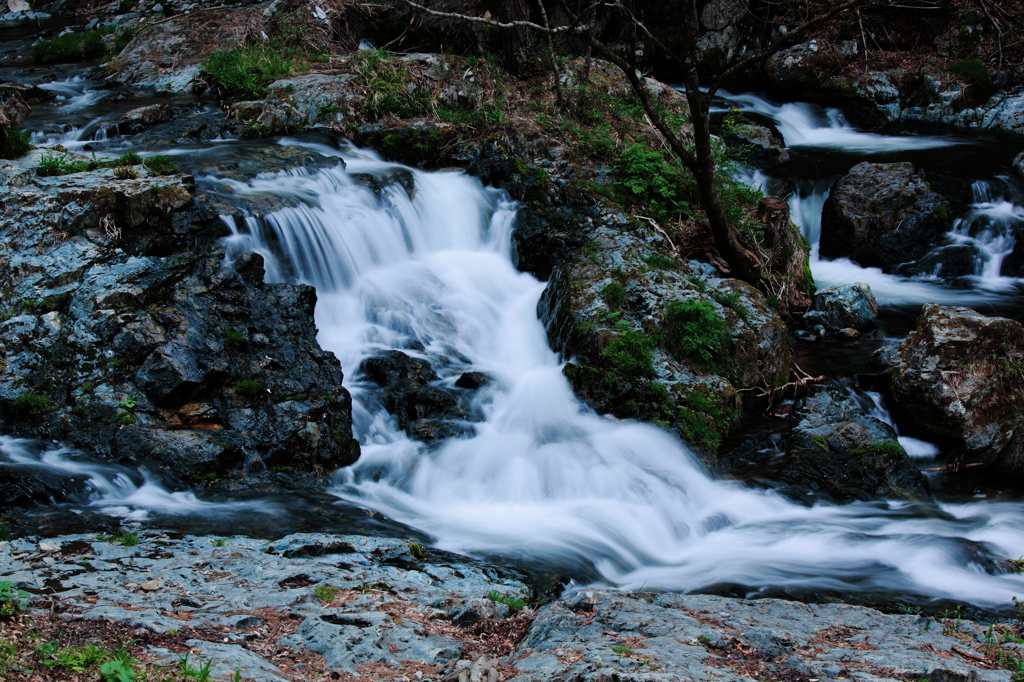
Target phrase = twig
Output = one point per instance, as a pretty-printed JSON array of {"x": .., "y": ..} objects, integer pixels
[
  {"x": 999, "y": 32},
  {"x": 863, "y": 37},
  {"x": 486, "y": 20},
  {"x": 551, "y": 53}
]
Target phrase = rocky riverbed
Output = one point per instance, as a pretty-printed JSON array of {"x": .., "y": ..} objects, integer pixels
[{"x": 319, "y": 607}]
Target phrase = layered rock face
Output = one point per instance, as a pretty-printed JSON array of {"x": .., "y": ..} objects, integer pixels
[
  {"x": 127, "y": 333},
  {"x": 961, "y": 375}
]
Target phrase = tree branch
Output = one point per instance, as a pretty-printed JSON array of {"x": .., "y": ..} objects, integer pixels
[{"x": 490, "y": 22}]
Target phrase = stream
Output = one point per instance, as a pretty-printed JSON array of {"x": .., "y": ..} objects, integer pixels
[{"x": 541, "y": 477}]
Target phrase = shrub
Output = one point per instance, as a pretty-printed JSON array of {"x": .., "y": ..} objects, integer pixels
[
  {"x": 30, "y": 405},
  {"x": 630, "y": 353},
  {"x": 126, "y": 173},
  {"x": 12, "y": 600},
  {"x": 14, "y": 143},
  {"x": 243, "y": 73},
  {"x": 646, "y": 177},
  {"x": 72, "y": 47},
  {"x": 694, "y": 330},
  {"x": 127, "y": 159}
]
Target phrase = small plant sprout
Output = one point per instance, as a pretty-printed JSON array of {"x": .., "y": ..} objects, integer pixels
[
  {"x": 219, "y": 542},
  {"x": 417, "y": 551},
  {"x": 515, "y": 604},
  {"x": 326, "y": 593}
]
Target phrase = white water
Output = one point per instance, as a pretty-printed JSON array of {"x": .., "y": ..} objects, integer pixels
[
  {"x": 74, "y": 93},
  {"x": 113, "y": 490},
  {"x": 988, "y": 225},
  {"x": 542, "y": 475},
  {"x": 808, "y": 125},
  {"x": 915, "y": 448}
]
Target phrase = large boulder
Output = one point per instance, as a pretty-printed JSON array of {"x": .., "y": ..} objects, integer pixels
[
  {"x": 848, "y": 306},
  {"x": 882, "y": 215},
  {"x": 310, "y": 100},
  {"x": 800, "y": 68},
  {"x": 836, "y": 452},
  {"x": 961, "y": 375},
  {"x": 167, "y": 55},
  {"x": 132, "y": 337}
]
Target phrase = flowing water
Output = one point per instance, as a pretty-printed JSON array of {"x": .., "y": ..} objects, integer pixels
[{"x": 540, "y": 475}]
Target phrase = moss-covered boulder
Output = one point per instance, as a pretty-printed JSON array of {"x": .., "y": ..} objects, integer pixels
[
  {"x": 961, "y": 375},
  {"x": 652, "y": 337}
]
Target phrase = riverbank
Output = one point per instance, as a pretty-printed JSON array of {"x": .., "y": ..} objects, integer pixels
[{"x": 319, "y": 607}]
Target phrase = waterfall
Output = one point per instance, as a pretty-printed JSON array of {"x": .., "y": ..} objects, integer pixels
[{"x": 428, "y": 272}]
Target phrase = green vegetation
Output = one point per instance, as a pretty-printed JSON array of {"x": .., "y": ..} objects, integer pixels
[
  {"x": 386, "y": 82},
  {"x": 326, "y": 593},
  {"x": 72, "y": 47},
  {"x": 620, "y": 649},
  {"x": 14, "y": 143},
  {"x": 243, "y": 73},
  {"x": 615, "y": 295},
  {"x": 12, "y": 600},
  {"x": 5, "y": 531},
  {"x": 889, "y": 448},
  {"x": 704, "y": 420},
  {"x": 160, "y": 165},
  {"x": 693, "y": 330},
  {"x": 977, "y": 82},
  {"x": 219, "y": 542},
  {"x": 235, "y": 339},
  {"x": 417, "y": 551},
  {"x": 125, "y": 419},
  {"x": 30, "y": 405},
  {"x": 248, "y": 387},
  {"x": 515, "y": 604},
  {"x": 126, "y": 173},
  {"x": 631, "y": 353},
  {"x": 732, "y": 300},
  {"x": 126, "y": 539},
  {"x": 646, "y": 177},
  {"x": 294, "y": 396},
  {"x": 660, "y": 262}
]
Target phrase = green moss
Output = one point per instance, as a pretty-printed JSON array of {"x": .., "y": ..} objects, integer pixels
[
  {"x": 72, "y": 47},
  {"x": 694, "y": 331},
  {"x": 125, "y": 418},
  {"x": 161, "y": 165},
  {"x": 630, "y": 353},
  {"x": 660, "y": 262},
  {"x": 615, "y": 295},
  {"x": 888, "y": 448},
  {"x": 705, "y": 420},
  {"x": 249, "y": 388},
  {"x": 30, "y": 405}
]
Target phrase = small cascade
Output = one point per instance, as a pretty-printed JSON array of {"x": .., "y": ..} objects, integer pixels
[
  {"x": 989, "y": 228},
  {"x": 74, "y": 93},
  {"x": 420, "y": 263},
  {"x": 915, "y": 448},
  {"x": 112, "y": 489},
  {"x": 809, "y": 125}
]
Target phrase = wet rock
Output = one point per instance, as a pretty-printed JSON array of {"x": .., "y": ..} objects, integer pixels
[
  {"x": 949, "y": 103},
  {"x": 419, "y": 407},
  {"x": 137, "y": 120},
  {"x": 168, "y": 55},
  {"x": 846, "y": 306},
  {"x": 472, "y": 380},
  {"x": 602, "y": 311},
  {"x": 801, "y": 67},
  {"x": 835, "y": 452},
  {"x": 960, "y": 374},
  {"x": 141, "y": 344},
  {"x": 311, "y": 100},
  {"x": 955, "y": 260},
  {"x": 870, "y": 98},
  {"x": 416, "y": 142},
  {"x": 882, "y": 215},
  {"x": 476, "y": 610},
  {"x": 759, "y": 146}
]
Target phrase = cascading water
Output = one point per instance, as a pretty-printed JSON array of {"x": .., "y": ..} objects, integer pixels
[
  {"x": 987, "y": 227},
  {"x": 541, "y": 475},
  {"x": 113, "y": 490}
]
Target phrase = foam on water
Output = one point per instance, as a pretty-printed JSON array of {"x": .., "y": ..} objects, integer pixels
[{"x": 541, "y": 475}]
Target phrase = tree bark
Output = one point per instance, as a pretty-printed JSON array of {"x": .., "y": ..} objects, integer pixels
[{"x": 515, "y": 40}]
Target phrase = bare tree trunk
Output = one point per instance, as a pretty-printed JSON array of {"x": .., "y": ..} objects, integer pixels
[{"x": 514, "y": 41}]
